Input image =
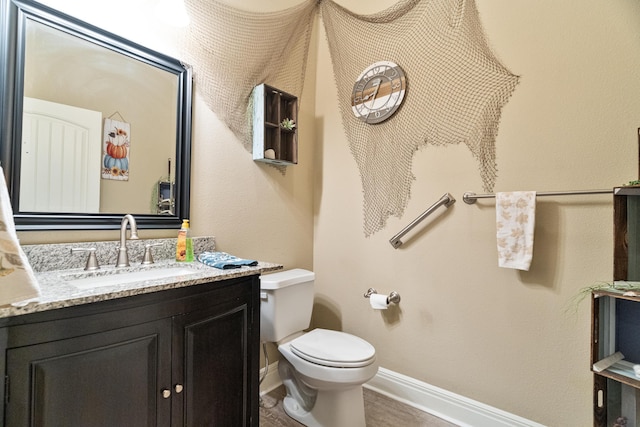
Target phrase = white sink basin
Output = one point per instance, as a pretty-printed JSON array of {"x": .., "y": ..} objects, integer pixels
[{"x": 120, "y": 278}]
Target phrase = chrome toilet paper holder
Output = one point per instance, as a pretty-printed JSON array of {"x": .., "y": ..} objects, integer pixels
[{"x": 393, "y": 297}]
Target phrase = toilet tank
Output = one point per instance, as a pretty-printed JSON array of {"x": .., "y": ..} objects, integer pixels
[{"x": 286, "y": 302}]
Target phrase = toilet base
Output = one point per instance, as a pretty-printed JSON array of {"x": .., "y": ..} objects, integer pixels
[
  {"x": 342, "y": 407},
  {"x": 333, "y": 408}
]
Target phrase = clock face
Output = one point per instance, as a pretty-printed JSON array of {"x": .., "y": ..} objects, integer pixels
[{"x": 378, "y": 92}]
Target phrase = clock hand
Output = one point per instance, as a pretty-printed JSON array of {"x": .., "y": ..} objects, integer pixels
[{"x": 376, "y": 85}]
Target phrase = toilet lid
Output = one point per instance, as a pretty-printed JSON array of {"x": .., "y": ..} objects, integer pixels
[{"x": 333, "y": 348}]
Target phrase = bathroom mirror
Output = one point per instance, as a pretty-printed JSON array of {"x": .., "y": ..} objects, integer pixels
[{"x": 92, "y": 126}]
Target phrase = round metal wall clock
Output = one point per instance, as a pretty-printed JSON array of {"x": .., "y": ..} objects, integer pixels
[{"x": 378, "y": 92}]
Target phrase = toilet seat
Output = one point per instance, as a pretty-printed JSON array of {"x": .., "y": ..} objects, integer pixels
[{"x": 333, "y": 348}]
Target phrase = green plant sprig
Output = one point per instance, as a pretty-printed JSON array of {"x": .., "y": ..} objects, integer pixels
[{"x": 618, "y": 285}]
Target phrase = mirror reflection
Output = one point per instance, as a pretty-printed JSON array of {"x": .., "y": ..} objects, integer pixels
[
  {"x": 99, "y": 128},
  {"x": 93, "y": 126}
]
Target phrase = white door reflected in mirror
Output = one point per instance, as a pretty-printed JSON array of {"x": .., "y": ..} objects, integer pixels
[{"x": 61, "y": 153}]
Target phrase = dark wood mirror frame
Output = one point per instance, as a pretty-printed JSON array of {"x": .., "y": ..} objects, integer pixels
[{"x": 13, "y": 17}]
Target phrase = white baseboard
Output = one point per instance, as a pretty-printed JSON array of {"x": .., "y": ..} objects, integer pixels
[
  {"x": 441, "y": 403},
  {"x": 272, "y": 380}
]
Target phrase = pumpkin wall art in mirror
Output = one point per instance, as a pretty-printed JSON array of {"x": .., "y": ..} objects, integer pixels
[{"x": 93, "y": 126}]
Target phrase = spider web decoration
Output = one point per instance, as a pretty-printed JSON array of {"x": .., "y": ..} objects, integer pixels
[{"x": 456, "y": 89}]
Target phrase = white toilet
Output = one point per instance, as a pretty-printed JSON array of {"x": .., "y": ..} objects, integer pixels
[{"x": 322, "y": 370}]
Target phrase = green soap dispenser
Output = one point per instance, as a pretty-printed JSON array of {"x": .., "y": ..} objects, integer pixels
[{"x": 184, "y": 245}]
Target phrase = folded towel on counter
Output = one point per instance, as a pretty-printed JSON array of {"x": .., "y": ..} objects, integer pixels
[
  {"x": 515, "y": 222},
  {"x": 224, "y": 261},
  {"x": 17, "y": 281}
]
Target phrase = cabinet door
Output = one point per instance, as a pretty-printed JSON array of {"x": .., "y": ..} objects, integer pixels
[
  {"x": 112, "y": 378},
  {"x": 214, "y": 367}
]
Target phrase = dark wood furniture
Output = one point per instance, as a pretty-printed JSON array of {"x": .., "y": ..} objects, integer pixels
[
  {"x": 179, "y": 357},
  {"x": 615, "y": 320}
]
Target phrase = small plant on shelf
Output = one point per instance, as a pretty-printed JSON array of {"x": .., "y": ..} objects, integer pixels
[
  {"x": 626, "y": 287},
  {"x": 288, "y": 124}
]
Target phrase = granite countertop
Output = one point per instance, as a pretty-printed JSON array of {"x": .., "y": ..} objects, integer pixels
[{"x": 56, "y": 290}]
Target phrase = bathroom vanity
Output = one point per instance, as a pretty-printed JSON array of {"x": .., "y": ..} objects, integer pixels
[{"x": 175, "y": 351}]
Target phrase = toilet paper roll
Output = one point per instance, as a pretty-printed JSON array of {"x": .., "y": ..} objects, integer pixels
[{"x": 378, "y": 302}]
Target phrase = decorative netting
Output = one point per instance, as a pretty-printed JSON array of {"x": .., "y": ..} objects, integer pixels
[
  {"x": 232, "y": 51},
  {"x": 456, "y": 87}
]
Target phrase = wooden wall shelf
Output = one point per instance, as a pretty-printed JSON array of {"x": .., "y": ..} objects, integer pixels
[
  {"x": 615, "y": 320},
  {"x": 272, "y": 142}
]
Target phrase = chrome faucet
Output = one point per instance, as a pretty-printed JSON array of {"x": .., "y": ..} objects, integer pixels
[{"x": 123, "y": 257}]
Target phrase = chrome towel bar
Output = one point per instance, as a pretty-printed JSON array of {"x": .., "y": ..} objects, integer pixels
[
  {"x": 446, "y": 200},
  {"x": 470, "y": 198}
]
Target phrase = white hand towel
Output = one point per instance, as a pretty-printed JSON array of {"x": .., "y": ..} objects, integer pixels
[
  {"x": 515, "y": 223},
  {"x": 17, "y": 281}
]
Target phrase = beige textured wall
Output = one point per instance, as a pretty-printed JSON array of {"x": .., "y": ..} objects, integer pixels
[
  {"x": 498, "y": 336},
  {"x": 253, "y": 210}
]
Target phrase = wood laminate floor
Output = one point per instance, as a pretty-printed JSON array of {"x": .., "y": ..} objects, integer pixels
[{"x": 380, "y": 411}]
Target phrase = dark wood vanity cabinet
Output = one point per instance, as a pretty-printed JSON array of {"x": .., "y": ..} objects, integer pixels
[{"x": 182, "y": 357}]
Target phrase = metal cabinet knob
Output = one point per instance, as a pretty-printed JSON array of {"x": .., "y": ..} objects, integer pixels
[
  {"x": 166, "y": 393},
  {"x": 179, "y": 388}
]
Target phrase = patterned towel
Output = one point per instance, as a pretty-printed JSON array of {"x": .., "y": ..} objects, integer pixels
[
  {"x": 515, "y": 222},
  {"x": 224, "y": 261},
  {"x": 17, "y": 281}
]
